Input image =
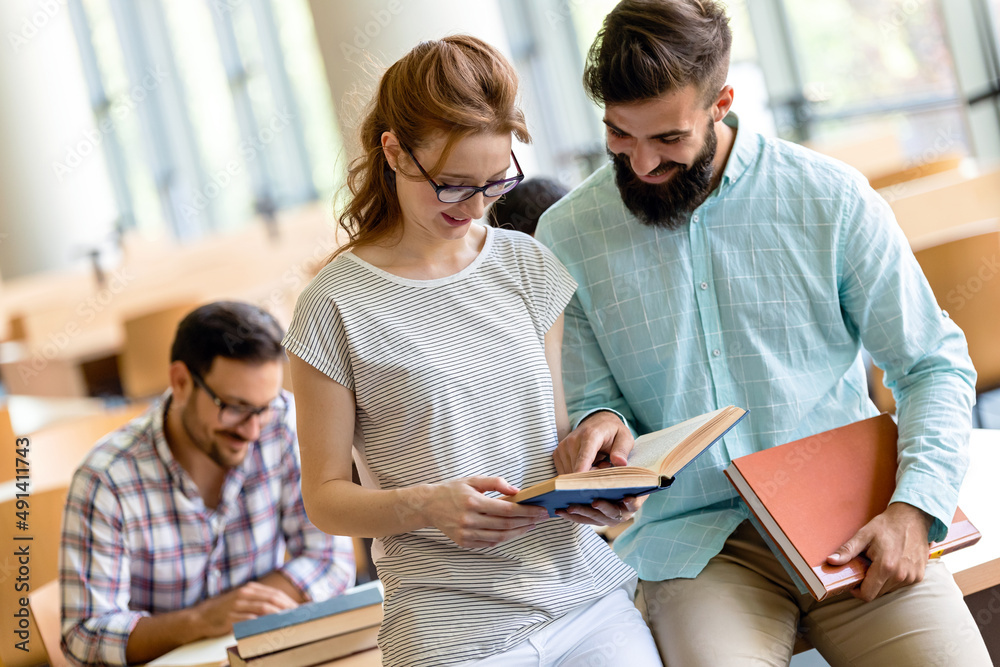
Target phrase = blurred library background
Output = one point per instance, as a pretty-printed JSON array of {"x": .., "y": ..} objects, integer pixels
[{"x": 159, "y": 154}]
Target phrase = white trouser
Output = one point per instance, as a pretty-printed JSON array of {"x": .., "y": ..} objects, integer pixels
[{"x": 608, "y": 632}]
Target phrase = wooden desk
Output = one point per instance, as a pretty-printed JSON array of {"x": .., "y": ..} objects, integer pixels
[
  {"x": 67, "y": 319},
  {"x": 32, "y": 413},
  {"x": 243, "y": 265},
  {"x": 26, "y": 414}
]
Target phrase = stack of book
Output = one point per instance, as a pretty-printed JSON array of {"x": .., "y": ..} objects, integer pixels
[{"x": 314, "y": 633}]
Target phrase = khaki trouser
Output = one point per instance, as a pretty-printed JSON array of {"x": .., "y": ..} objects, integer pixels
[{"x": 743, "y": 609}]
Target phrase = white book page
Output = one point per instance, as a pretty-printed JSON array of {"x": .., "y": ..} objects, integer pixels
[
  {"x": 650, "y": 448},
  {"x": 197, "y": 654}
]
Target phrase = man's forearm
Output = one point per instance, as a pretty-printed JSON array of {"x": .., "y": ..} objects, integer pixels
[{"x": 155, "y": 635}]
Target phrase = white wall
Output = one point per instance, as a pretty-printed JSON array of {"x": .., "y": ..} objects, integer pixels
[
  {"x": 358, "y": 39},
  {"x": 48, "y": 213}
]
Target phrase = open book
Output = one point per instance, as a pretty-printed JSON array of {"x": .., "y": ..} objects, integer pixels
[{"x": 655, "y": 459}]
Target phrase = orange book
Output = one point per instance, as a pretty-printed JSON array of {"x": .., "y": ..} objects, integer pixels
[
  {"x": 314, "y": 653},
  {"x": 812, "y": 495}
]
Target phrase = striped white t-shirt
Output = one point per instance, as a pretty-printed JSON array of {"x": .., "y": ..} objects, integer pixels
[{"x": 450, "y": 380}]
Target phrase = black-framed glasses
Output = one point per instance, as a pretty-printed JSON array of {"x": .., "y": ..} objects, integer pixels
[
  {"x": 452, "y": 194},
  {"x": 231, "y": 414}
]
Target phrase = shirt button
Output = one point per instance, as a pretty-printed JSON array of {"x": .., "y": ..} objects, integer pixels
[
  {"x": 694, "y": 218},
  {"x": 704, "y": 285},
  {"x": 716, "y": 352}
]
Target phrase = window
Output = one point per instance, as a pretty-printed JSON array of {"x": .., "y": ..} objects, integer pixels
[
  {"x": 878, "y": 65},
  {"x": 225, "y": 191},
  {"x": 218, "y": 109}
]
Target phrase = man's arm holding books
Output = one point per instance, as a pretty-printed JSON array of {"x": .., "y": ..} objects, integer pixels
[
  {"x": 157, "y": 634},
  {"x": 896, "y": 543},
  {"x": 600, "y": 430},
  {"x": 598, "y": 412},
  {"x": 927, "y": 367}
]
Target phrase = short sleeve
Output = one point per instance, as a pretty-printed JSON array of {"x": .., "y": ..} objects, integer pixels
[
  {"x": 547, "y": 283},
  {"x": 317, "y": 334},
  {"x": 560, "y": 287}
]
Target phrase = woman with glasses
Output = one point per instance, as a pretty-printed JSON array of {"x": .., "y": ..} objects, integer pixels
[{"x": 431, "y": 346}]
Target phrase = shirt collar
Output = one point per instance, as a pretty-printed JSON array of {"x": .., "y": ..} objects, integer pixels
[
  {"x": 178, "y": 476},
  {"x": 740, "y": 157}
]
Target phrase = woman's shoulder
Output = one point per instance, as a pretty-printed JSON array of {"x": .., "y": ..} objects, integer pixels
[
  {"x": 523, "y": 257},
  {"x": 512, "y": 242}
]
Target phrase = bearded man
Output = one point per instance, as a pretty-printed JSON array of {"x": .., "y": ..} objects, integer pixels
[
  {"x": 716, "y": 266},
  {"x": 177, "y": 524}
]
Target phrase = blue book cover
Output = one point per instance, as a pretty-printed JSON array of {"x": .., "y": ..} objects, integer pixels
[
  {"x": 655, "y": 460},
  {"x": 563, "y": 498},
  {"x": 353, "y": 598}
]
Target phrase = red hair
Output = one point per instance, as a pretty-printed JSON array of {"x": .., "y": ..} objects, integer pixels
[{"x": 454, "y": 87}]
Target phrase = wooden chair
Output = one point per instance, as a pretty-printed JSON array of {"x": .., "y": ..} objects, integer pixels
[
  {"x": 54, "y": 453},
  {"x": 145, "y": 359},
  {"x": 27, "y": 371},
  {"x": 965, "y": 278},
  {"x": 43, "y": 628},
  {"x": 46, "y": 608},
  {"x": 914, "y": 172},
  {"x": 44, "y": 522},
  {"x": 928, "y": 212}
]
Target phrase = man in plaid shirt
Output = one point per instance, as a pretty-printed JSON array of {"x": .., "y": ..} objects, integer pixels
[{"x": 177, "y": 524}]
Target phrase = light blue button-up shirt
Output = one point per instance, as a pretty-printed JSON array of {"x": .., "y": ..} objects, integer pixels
[{"x": 763, "y": 301}]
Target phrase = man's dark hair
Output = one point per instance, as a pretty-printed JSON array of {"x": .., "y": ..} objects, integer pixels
[
  {"x": 650, "y": 47},
  {"x": 229, "y": 329},
  {"x": 520, "y": 208}
]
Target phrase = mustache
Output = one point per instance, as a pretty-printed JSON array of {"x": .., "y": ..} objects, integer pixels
[
  {"x": 666, "y": 205},
  {"x": 661, "y": 169}
]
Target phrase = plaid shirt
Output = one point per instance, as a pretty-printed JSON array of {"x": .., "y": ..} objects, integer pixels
[{"x": 138, "y": 539}]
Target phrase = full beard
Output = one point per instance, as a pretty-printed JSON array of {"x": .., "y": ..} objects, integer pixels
[{"x": 668, "y": 205}]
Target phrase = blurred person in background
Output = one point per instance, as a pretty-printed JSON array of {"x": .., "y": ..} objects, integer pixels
[
  {"x": 521, "y": 208},
  {"x": 177, "y": 525}
]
